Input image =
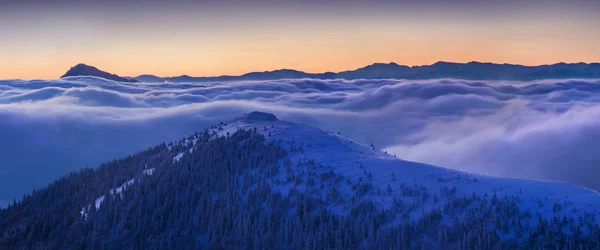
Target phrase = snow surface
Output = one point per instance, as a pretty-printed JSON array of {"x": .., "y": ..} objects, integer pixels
[
  {"x": 346, "y": 156},
  {"x": 149, "y": 171},
  {"x": 178, "y": 157},
  {"x": 119, "y": 189}
]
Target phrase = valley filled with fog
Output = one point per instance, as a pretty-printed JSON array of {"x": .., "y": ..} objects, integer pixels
[{"x": 542, "y": 129}]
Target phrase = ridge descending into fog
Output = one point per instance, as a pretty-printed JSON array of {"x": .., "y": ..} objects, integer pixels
[
  {"x": 543, "y": 129},
  {"x": 357, "y": 161}
]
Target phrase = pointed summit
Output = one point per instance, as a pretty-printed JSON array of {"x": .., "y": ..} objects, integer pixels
[{"x": 86, "y": 70}]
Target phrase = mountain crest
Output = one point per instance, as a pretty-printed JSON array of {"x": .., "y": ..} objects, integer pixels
[
  {"x": 86, "y": 70},
  {"x": 442, "y": 69}
]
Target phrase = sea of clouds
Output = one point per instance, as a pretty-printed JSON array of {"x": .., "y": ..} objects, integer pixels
[{"x": 542, "y": 130}]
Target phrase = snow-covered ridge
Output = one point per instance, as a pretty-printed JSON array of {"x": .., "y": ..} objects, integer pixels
[
  {"x": 358, "y": 161},
  {"x": 339, "y": 171}
]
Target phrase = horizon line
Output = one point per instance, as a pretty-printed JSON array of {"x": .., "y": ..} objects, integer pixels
[
  {"x": 371, "y": 64},
  {"x": 322, "y": 72}
]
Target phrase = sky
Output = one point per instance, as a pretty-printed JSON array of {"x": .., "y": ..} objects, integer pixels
[{"x": 42, "y": 39}]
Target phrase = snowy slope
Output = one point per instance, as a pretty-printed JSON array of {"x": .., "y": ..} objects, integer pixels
[
  {"x": 342, "y": 172},
  {"x": 359, "y": 162}
]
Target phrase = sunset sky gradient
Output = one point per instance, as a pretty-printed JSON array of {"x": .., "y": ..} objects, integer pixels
[{"x": 42, "y": 39}]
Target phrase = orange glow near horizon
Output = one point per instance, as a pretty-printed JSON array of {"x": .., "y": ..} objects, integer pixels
[
  {"x": 308, "y": 59},
  {"x": 45, "y": 49}
]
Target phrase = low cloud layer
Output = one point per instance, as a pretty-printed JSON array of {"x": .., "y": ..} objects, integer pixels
[{"x": 542, "y": 130}]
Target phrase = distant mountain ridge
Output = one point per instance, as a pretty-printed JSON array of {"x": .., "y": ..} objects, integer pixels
[
  {"x": 469, "y": 71},
  {"x": 86, "y": 70}
]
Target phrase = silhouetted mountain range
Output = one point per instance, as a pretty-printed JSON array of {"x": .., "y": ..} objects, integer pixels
[
  {"x": 86, "y": 70},
  {"x": 470, "y": 71}
]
